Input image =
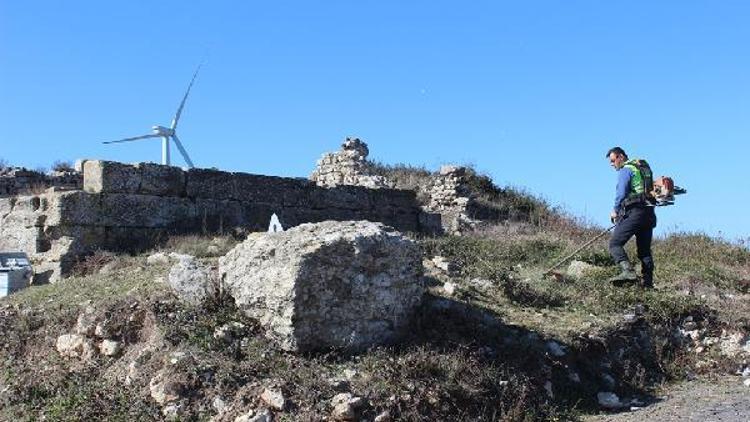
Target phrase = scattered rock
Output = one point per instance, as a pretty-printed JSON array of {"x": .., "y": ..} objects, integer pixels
[
  {"x": 172, "y": 412},
  {"x": 578, "y": 269},
  {"x": 555, "y": 349},
  {"x": 110, "y": 347},
  {"x": 384, "y": 416},
  {"x": 746, "y": 382},
  {"x": 449, "y": 288},
  {"x": 273, "y": 398},
  {"x": 227, "y": 331},
  {"x": 219, "y": 404},
  {"x": 573, "y": 376},
  {"x": 163, "y": 389},
  {"x": 86, "y": 323},
  {"x": 191, "y": 280},
  {"x": 731, "y": 343},
  {"x": 548, "y": 389},
  {"x": 481, "y": 283},
  {"x": 75, "y": 346},
  {"x": 609, "y": 400},
  {"x": 444, "y": 264},
  {"x": 345, "y": 406},
  {"x": 158, "y": 258},
  {"x": 174, "y": 358},
  {"x": 264, "y": 415}
]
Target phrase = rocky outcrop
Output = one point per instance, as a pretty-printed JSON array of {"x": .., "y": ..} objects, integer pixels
[
  {"x": 327, "y": 285},
  {"x": 348, "y": 167}
]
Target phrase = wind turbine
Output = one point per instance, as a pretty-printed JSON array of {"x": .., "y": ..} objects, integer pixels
[{"x": 165, "y": 133}]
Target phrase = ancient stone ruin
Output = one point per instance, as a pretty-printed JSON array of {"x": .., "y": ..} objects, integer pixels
[
  {"x": 126, "y": 207},
  {"x": 348, "y": 167},
  {"x": 327, "y": 285},
  {"x": 131, "y": 207},
  {"x": 21, "y": 181}
]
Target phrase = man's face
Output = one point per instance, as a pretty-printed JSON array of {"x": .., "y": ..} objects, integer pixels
[{"x": 616, "y": 160}]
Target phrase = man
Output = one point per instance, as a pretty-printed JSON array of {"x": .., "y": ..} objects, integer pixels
[{"x": 634, "y": 214}]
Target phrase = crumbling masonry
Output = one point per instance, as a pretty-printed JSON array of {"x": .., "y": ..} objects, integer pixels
[{"x": 128, "y": 208}]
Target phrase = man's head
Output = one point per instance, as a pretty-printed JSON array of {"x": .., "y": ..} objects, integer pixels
[{"x": 617, "y": 157}]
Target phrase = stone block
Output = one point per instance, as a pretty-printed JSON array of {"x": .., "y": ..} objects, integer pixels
[
  {"x": 68, "y": 242},
  {"x": 208, "y": 183},
  {"x": 73, "y": 208},
  {"x": 348, "y": 197},
  {"x": 161, "y": 180},
  {"x": 256, "y": 188},
  {"x": 110, "y": 177},
  {"x": 123, "y": 210},
  {"x": 347, "y": 285},
  {"x": 216, "y": 216}
]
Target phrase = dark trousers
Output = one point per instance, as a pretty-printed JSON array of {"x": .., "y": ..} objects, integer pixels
[{"x": 639, "y": 221}]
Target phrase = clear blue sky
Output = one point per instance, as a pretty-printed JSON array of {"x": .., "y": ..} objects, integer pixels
[{"x": 532, "y": 93}]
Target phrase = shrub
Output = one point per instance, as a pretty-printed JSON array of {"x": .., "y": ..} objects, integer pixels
[{"x": 60, "y": 165}]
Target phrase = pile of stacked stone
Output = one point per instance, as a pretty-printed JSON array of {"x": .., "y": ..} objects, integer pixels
[
  {"x": 449, "y": 189},
  {"x": 451, "y": 197},
  {"x": 19, "y": 180},
  {"x": 348, "y": 167}
]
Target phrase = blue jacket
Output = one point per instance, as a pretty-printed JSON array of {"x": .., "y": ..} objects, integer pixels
[{"x": 623, "y": 186}]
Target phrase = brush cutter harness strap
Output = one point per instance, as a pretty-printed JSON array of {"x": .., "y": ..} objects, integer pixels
[{"x": 641, "y": 184}]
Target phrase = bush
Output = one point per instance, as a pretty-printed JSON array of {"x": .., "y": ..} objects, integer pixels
[{"x": 61, "y": 165}]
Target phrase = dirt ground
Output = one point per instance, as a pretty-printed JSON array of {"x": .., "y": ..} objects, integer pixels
[{"x": 723, "y": 399}]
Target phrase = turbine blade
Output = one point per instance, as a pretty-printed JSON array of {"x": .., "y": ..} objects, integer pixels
[
  {"x": 134, "y": 138},
  {"x": 182, "y": 104},
  {"x": 182, "y": 150}
]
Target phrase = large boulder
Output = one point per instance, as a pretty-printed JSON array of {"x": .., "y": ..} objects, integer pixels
[{"x": 333, "y": 284}]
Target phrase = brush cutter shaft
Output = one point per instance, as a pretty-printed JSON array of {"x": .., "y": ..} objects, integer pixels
[{"x": 580, "y": 249}]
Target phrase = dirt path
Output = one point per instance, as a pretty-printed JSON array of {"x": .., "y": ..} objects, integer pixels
[{"x": 724, "y": 399}]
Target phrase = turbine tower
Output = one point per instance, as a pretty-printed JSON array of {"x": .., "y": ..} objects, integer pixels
[{"x": 167, "y": 133}]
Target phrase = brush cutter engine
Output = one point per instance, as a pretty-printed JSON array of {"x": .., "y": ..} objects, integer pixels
[{"x": 664, "y": 191}]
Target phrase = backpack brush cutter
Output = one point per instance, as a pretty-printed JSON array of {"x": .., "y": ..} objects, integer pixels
[{"x": 662, "y": 194}]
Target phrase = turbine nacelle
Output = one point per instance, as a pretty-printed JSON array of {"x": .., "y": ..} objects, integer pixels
[{"x": 162, "y": 131}]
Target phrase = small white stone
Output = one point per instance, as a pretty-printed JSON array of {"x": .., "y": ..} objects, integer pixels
[
  {"x": 747, "y": 382},
  {"x": 383, "y": 417},
  {"x": 555, "y": 349},
  {"x": 609, "y": 400},
  {"x": 219, "y": 404},
  {"x": 273, "y": 398},
  {"x": 110, "y": 347},
  {"x": 449, "y": 288}
]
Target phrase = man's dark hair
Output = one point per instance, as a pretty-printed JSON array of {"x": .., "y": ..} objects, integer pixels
[{"x": 616, "y": 151}]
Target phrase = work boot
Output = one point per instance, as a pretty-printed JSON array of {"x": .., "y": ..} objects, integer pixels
[
  {"x": 626, "y": 275},
  {"x": 647, "y": 274}
]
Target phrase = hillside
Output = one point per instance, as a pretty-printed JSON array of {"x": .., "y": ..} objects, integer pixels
[{"x": 494, "y": 338}]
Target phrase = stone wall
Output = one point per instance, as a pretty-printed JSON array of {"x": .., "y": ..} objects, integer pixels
[
  {"x": 21, "y": 181},
  {"x": 131, "y": 207}
]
